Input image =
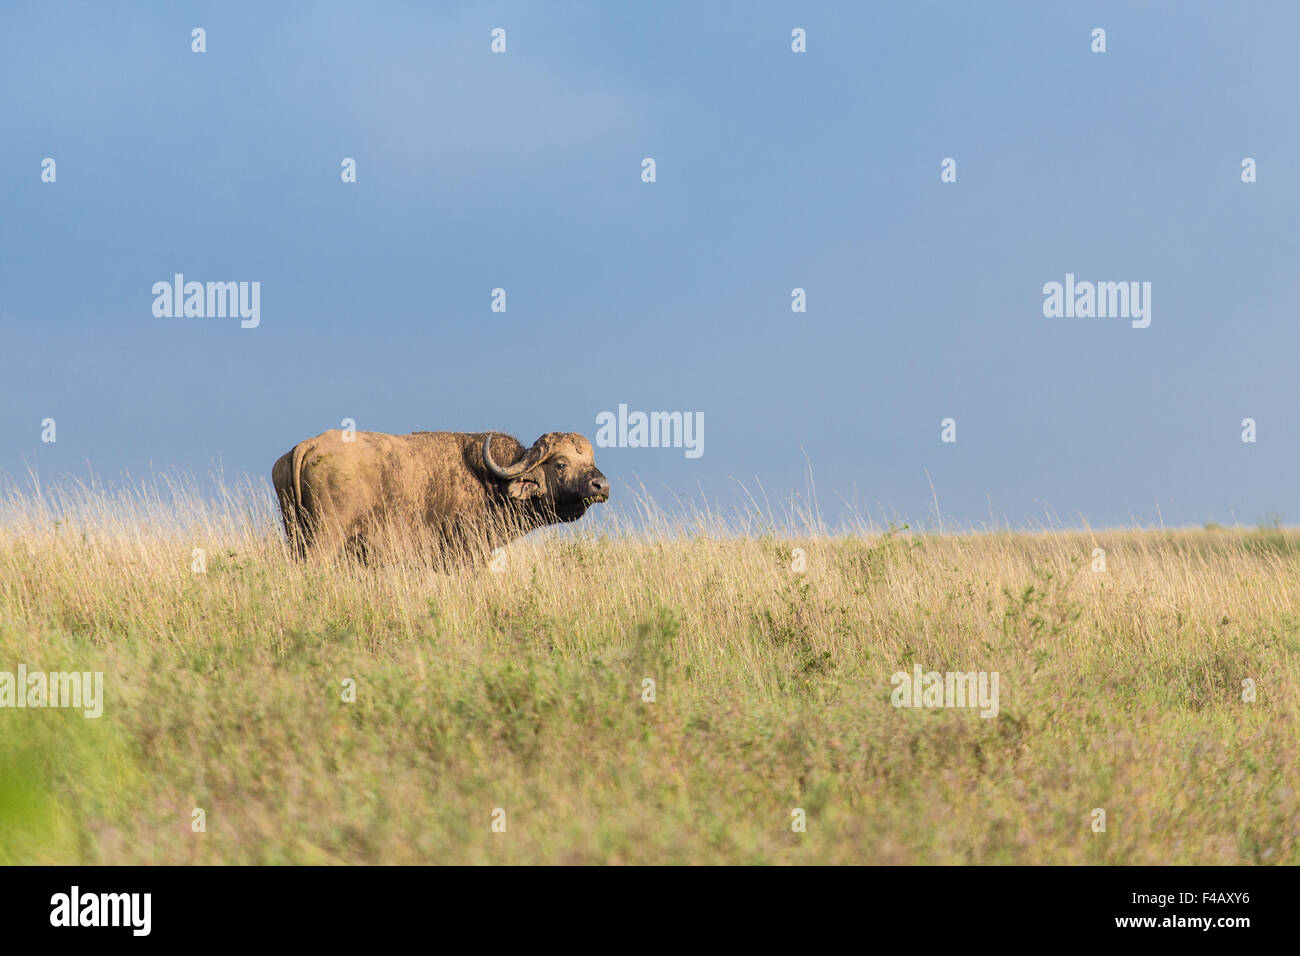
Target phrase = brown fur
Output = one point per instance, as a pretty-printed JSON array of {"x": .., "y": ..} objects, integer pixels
[{"x": 433, "y": 486}]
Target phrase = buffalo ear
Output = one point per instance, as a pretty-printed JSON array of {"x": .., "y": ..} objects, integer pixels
[{"x": 522, "y": 488}]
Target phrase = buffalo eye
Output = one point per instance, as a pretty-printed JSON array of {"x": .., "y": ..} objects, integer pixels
[{"x": 559, "y": 466}]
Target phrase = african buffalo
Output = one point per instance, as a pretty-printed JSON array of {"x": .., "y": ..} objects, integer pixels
[{"x": 467, "y": 493}]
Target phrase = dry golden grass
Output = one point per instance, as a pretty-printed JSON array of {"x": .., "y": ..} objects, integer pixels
[{"x": 522, "y": 690}]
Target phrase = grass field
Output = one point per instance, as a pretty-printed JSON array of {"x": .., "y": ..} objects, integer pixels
[{"x": 522, "y": 690}]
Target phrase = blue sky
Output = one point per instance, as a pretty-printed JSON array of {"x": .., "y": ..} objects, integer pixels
[{"x": 775, "y": 170}]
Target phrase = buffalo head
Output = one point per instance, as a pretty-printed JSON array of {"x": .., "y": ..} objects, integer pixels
[{"x": 558, "y": 475}]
